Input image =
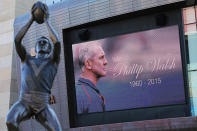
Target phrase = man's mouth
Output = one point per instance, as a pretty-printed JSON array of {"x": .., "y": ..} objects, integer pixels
[{"x": 41, "y": 52}]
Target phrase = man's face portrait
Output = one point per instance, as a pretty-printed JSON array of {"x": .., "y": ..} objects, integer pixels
[{"x": 99, "y": 62}]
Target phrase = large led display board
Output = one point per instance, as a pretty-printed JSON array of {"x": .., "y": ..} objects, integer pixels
[{"x": 143, "y": 69}]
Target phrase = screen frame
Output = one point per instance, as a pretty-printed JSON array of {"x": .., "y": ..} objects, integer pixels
[{"x": 120, "y": 25}]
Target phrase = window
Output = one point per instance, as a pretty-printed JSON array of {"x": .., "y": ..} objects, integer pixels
[
  {"x": 190, "y": 21},
  {"x": 50, "y": 2},
  {"x": 189, "y": 15}
]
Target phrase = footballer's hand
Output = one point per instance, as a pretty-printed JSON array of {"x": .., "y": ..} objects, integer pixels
[{"x": 52, "y": 99}]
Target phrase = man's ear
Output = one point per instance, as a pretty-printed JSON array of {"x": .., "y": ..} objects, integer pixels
[{"x": 88, "y": 64}]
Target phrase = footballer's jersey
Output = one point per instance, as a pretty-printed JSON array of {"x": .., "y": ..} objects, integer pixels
[{"x": 37, "y": 76}]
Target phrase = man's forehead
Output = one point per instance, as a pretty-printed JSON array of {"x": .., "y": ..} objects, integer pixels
[
  {"x": 97, "y": 47},
  {"x": 99, "y": 50},
  {"x": 41, "y": 39}
]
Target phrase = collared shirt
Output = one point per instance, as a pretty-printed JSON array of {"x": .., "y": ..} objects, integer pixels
[{"x": 89, "y": 98}]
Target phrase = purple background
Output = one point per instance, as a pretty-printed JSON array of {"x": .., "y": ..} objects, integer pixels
[{"x": 145, "y": 49}]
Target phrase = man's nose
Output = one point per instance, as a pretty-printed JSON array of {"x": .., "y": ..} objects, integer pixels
[
  {"x": 105, "y": 62},
  {"x": 42, "y": 43}
]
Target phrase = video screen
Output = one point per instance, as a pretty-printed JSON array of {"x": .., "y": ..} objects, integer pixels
[{"x": 135, "y": 70}]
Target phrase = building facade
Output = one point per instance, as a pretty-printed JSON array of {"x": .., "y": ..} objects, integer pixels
[{"x": 67, "y": 14}]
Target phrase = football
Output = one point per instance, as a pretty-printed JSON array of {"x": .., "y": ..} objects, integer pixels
[{"x": 39, "y": 12}]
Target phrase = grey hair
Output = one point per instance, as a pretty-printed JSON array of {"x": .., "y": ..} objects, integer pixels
[{"x": 86, "y": 52}]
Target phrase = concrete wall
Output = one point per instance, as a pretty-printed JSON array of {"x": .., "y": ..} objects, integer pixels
[
  {"x": 7, "y": 8},
  {"x": 23, "y": 6},
  {"x": 64, "y": 15}
]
